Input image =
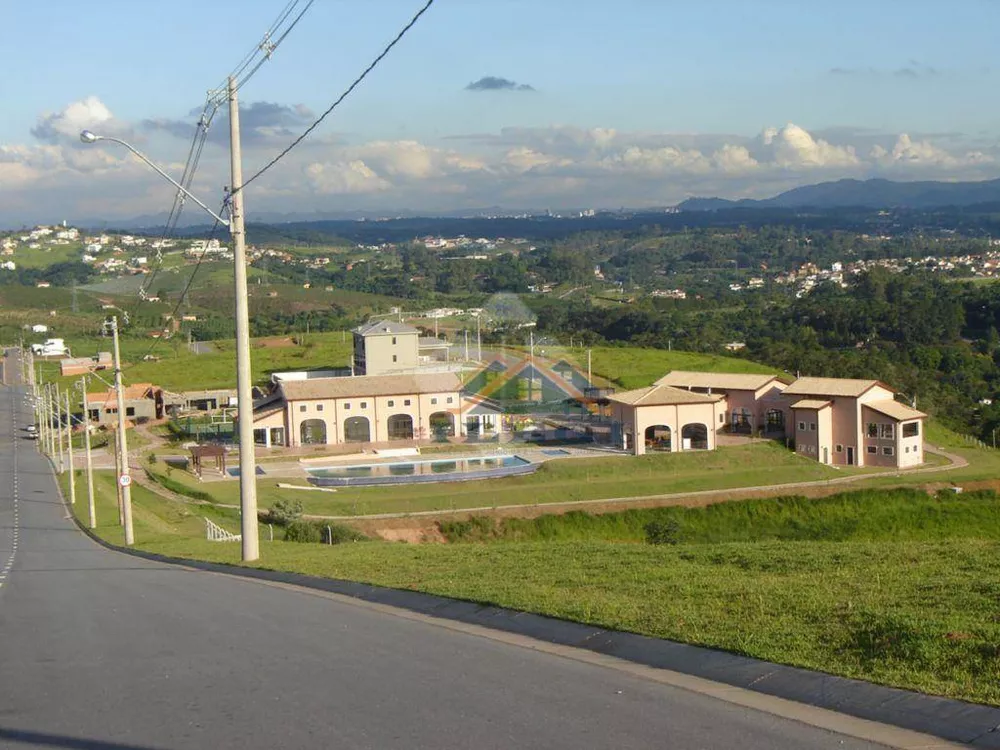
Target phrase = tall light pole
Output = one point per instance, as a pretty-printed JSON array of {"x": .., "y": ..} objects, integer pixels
[
  {"x": 248, "y": 467},
  {"x": 244, "y": 395},
  {"x": 124, "y": 479}
]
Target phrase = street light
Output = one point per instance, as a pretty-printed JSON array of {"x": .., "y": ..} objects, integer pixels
[
  {"x": 88, "y": 137},
  {"x": 244, "y": 394}
]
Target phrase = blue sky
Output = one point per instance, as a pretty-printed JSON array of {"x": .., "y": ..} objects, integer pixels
[{"x": 637, "y": 102}]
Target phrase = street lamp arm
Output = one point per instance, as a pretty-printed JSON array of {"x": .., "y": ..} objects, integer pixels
[{"x": 87, "y": 137}]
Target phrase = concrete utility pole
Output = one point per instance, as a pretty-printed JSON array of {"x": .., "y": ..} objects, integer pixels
[
  {"x": 479, "y": 340},
  {"x": 124, "y": 479},
  {"x": 86, "y": 448},
  {"x": 69, "y": 445},
  {"x": 56, "y": 409},
  {"x": 50, "y": 439},
  {"x": 244, "y": 395},
  {"x": 466, "y": 344},
  {"x": 590, "y": 379}
]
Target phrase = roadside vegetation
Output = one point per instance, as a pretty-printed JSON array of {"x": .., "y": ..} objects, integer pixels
[
  {"x": 897, "y": 587},
  {"x": 563, "y": 480}
]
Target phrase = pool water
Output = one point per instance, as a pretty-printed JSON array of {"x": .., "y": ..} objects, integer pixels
[
  {"x": 236, "y": 472},
  {"x": 420, "y": 468}
]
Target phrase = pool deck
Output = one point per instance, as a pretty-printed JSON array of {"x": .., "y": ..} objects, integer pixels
[{"x": 295, "y": 469}]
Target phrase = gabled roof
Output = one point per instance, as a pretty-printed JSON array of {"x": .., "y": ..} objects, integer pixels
[
  {"x": 895, "y": 410},
  {"x": 726, "y": 381},
  {"x": 829, "y": 387},
  {"x": 384, "y": 326},
  {"x": 369, "y": 385},
  {"x": 662, "y": 395},
  {"x": 811, "y": 403}
]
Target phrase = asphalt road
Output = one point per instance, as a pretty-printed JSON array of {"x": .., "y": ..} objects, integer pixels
[{"x": 102, "y": 650}]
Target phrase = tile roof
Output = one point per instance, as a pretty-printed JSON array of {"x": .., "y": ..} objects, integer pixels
[
  {"x": 662, "y": 395},
  {"x": 384, "y": 326},
  {"x": 811, "y": 403},
  {"x": 369, "y": 385},
  {"x": 829, "y": 387},
  {"x": 894, "y": 409},
  {"x": 131, "y": 393},
  {"x": 723, "y": 380}
]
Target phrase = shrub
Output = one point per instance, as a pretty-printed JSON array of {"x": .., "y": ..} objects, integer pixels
[
  {"x": 318, "y": 532},
  {"x": 284, "y": 512},
  {"x": 335, "y": 533},
  {"x": 663, "y": 532},
  {"x": 302, "y": 531},
  {"x": 151, "y": 459}
]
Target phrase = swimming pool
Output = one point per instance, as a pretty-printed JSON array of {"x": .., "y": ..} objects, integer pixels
[{"x": 439, "y": 470}]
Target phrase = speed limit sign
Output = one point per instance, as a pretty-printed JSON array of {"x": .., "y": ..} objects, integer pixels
[{"x": 124, "y": 480}]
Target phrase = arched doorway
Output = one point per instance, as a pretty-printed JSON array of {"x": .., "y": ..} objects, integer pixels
[
  {"x": 401, "y": 427},
  {"x": 658, "y": 437},
  {"x": 742, "y": 423},
  {"x": 774, "y": 420},
  {"x": 357, "y": 430},
  {"x": 442, "y": 424},
  {"x": 694, "y": 437},
  {"x": 312, "y": 432}
]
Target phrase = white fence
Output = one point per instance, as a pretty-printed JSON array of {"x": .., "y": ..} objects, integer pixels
[{"x": 215, "y": 533}]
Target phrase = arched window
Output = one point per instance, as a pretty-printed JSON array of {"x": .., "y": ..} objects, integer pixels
[
  {"x": 401, "y": 427},
  {"x": 357, "y": 430},
  {"x": 658, "y": 437},
  {"x": 312, "y": 432},
  {"x": 694, "y": 437},
  {"x": 442, "y": 424}
]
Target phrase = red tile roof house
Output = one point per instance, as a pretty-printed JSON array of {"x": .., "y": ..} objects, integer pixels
[
  {"x": 753, "y": 402},
  {"x": 854, "y": 423},
  {"x": 832, "y": 420}
]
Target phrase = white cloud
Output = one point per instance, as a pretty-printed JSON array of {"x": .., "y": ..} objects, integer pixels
[
  {"x": 734, "y": 159},
  {"x": 793, "y": 147},
  {"x": 337, "y": 178},
  {"x": 66, "y": 124},
  {"x": 559, "y": 166},
  {"x": 908, "y": 152}
]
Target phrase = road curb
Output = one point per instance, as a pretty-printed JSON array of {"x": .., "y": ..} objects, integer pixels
[{"x": 974, "y": 725}]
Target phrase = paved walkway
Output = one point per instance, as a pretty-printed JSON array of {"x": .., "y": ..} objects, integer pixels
[{"x": 733, "y": 493}]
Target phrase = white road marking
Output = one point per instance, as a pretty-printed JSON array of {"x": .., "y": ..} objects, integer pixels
[{"x": 16, "y": 530}]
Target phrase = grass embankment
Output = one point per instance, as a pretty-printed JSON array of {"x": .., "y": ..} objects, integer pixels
[
  {"x": 557, "y": 481},
  {"x": 907, "y": 597},
  {"x": 180, "y": 370}
]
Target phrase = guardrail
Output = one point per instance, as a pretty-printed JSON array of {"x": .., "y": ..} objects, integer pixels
[{"x": 215, "y": 533}]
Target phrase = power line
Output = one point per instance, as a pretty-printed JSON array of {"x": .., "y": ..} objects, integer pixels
[
  {"x": 268, "y": 47},
  {"x": 344, "y": 95},
  {"x": 190, "y": 281}
]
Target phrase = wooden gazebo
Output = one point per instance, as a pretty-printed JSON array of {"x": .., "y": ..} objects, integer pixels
[{"x": 199, "y": 452}]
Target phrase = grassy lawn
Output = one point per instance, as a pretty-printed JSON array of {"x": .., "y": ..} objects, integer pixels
[
  {"x": 555, "y": 481},
  {"x": 635, "y": 367},
  {"x": 910, "y": 603},
  {"x": 180, "y": 370}
]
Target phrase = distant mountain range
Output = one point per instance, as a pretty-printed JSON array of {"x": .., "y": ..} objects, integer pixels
[{"x": 873, "y": 194}]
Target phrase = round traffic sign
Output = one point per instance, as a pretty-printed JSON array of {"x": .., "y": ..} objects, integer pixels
[{"x": 124, "y": 480}]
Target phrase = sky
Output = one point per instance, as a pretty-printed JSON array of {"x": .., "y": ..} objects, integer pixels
[{"x": 494, "y": 104}]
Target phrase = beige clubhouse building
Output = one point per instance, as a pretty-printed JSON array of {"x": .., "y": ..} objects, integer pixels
[
  {"x": 835, "y": 421},
  {"x": 371, "y": 409}
]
